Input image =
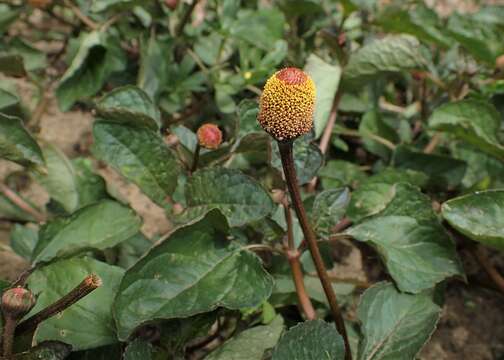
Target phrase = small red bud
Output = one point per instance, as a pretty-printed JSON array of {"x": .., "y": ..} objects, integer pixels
[
  {"x": 17, "y": 302},
  {"x": 209, "y": 136},
  {"x": 171, "y": 4}
]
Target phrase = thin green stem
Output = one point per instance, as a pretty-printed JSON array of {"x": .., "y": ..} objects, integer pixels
[{"x": 286, "y": 154}]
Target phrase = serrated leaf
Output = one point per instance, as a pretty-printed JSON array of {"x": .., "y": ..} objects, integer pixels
[
  {"x": 239, "y": 197},
  {"x": 16, "y": 143},
  {"x": 328, "y": 209},
  {"x": 310, "y": 340},
  {"x": 87, "y": 324},
  {"x": 473, "y": 121},
  {"x": 413, "y": 245},
  {"x": 97, "y": 58},
  {"x": 479, "y": 216},
  {"x": 394, "y": 53},
  {"x": 326, "y": 78},
  {"x": 140, "y": 155},
  {"x": 129, "y": 105},
  {"x": 395, "y": 326},
  {"x": 97, "y": 226},
  {"x": 307, "y": 158},
  {"x": 195, "y": 270},
  {"x": 251, "y": 343},
  {"x": 47, "y": 350}
]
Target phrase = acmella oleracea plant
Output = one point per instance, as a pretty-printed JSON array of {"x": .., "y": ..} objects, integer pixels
[{"x": 286, "y": 112}]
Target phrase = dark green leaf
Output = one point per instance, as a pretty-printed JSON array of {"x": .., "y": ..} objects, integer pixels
[
  {"x": 47, "y": 350},
  {"x": 395, "y": 325},
  {"x": 474, "y": 121},
  {"x": 479, "y": 216},
  {"x": 373, "y": 123},
  {"x": 23, "y": 240},
  {"x": 338, "y": 173},
  {"x": 129, "y": 105},
  {"x": 98, "y": 57},
  {"x": 140, "y": 155},
  {"x": 117, "y": 5},
  {"x": 153, "y": 67},
  {"x": 12, "y": 65},
  {"x": 251, "y": 343},
  {"x": 239, "y": 197},
  {"x": 132, "y": 249},
  {"x": 195, "y": 270},
  {"x": 16, "y": 144},
  {"x": 328, "y": 209},
  {"x": 310, "y": 340},
  {"x": 261, "y": 28},
  {"x": 89, "y": 323},
  {"x": 140, "y": 349},
  {"x": 326, "y": 78},
  {"x": 33, "y": 59},
  {"x": 98, "y": 226},
  {"x": 387, "y": 55}
]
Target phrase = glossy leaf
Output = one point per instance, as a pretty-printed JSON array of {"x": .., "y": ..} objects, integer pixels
[
  {"x": 479, "y": 216},
  {"x": 195, "y": 270},
  {"x": 140, "y": 155},
  {"x": 395, "y": 326},
  {"x": 16, "y": 143},
  {"x": 239, "y": 197},
  {"x": 310, "y": 340},
  {"x": 251, "y": 343},
  {"x": 98, "y": 226},
  {"x": 87, "y": 324}
]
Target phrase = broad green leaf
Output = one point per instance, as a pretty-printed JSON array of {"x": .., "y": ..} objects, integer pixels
[
  {"x": 474, "y": 121},
  {"x": 129, "y": 105},
  {"x": 10, "y": 103},
  {"x": 395, "y": 326},
  {"x": 33, "y": 58},
  {"x": 97, "y": 58},
  {"x": 251, "y": 343},
  {"x": 326, "y": 78},
  {"x": 12, "y": 65},
  {"x": 23, "y": 240},
  {"x": 239, "y": 197},
  {"x": 195, "y": 270},
  {"x": 87, "y": 324},
  {"x": 373, "y": 123},
  {"x": 444, "y": 172},
  {"x": 132, "y": 249},
  {"x": 140, "y": 155},
  {"x": 260, "y": 28},
  {"x": 8, "y": 14},
  {"x": 47, "y": 350},
  {"x": 153, "y": 66},
  {"x": 307, "y": 158},
  {"x": 98, "y": 226},
  {"x": 16, "y": 143},
  {"x": 10, "y": 211},
  {"x": 369, "y": 199},
  {"x": 142, "y": 349},
  {"x": 394, "y": 53},
  {"x": 91, "y": 187},
  {"x": 479, "y": 216},
  {"x": 416, "y": 250},
  {"x": 310, "y": 340},
  {"x": 328, "y": 209},
  {"x": 338, "y": 173}
]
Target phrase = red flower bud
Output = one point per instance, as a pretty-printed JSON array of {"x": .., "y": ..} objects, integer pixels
[
  {"x": 171, "y": 4},
  {"x": 209, "y": 136},
  {"x": 17, "y": 302}
]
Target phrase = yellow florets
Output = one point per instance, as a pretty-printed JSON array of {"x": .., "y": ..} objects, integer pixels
[{"x": 287, "y": 104}]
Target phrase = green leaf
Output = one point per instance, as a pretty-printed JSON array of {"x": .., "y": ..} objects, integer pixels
[
  {"x": 328, "y": 209},
  {"x": 47, "y": 350},
  {"x": 395, "y": 325},
  {"x": 10, "y": 211},
  {"x": 195, "y": 270},
  {"x": 10, "y": 103},
  {"x": 12, "y": 65},
  {"x": 98, "y": 57},
  {"x": 140, "y": 155},
  {"x": 444, "y": 171},
  {"x": 98, "y": 226},
  {"x": 153, "y": 67},
  {"x": 16, "y": 143},
  {"x": 132, "y": 249},
  {"x": 260, "y": 28},
  {"x": 8, "y": 14},
  {"x": 307, "y": 158},
  {"x": 413, "y": 245},
  {"x": 372, "y": 123},
  {"x": 239, "y": 197},
  {"x": 338, "y": 173},
  {"x": 310, "y": 340},
  {"x": 141, "y": 349},
  {"x": 251, "y": 343},
  {"x": 33, "y": 58},
  {"x": 394, "y": 53},
  {"x": 91, "y": 187},
  {"x": 117, "y": 5},
  {"x": 369, "y": 199},
  {"x": 479, "y": 216},
  {"x": 326, "y": 78},
  {"x": 129, "y": 105},
  {"x": 89, "y": 323},
  {"x": 23, "y": 240},
  {"x": 474, "y": 121}
]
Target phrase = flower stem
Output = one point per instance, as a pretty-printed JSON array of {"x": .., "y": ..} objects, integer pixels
[
  {"x": 8, "y": 336},
  {"x": 89, "y": 284},
  {"x": 293, "y": 255},
  {"x": 286, "y": 155}
]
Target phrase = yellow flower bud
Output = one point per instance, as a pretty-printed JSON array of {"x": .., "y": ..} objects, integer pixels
[{"x": 287, "y": 104}]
